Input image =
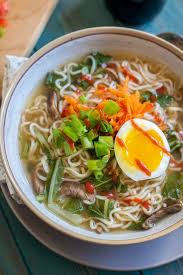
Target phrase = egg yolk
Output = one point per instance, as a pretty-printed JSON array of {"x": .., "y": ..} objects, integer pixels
[{"x": 139, "y": 147}]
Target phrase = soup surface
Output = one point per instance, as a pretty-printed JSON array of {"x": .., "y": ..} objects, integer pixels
[{"x": 101, "y": 141}]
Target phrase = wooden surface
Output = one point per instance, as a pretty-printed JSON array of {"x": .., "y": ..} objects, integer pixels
[
  {"x": 20, "y": 253},
  {"x": 26, "y": 18}
]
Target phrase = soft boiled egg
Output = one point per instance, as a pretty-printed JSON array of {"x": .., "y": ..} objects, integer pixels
[{"x": 141, "y": 149}]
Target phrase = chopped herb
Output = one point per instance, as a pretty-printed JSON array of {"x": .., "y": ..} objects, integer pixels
[
  {"x": 164, "y": 100},
  {"x": 50, "y": 79},
  {"x": 173, "y": 187},
  {"x": 137, "y": 225},
  {"x": 101, "y": 58},
  {"x": 84, "y": 84},
  {"x": 173, "y": 141}
]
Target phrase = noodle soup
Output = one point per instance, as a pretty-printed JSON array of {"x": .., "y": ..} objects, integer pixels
[{"x": 101, "y": 141}]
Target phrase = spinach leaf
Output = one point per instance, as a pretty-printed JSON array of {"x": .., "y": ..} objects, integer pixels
[
  {"x": 173, "y": 187},
  {"x": 164, "y": 100},
  {"x": 137, "y": 225},
  {"x": 101, "y": 58}
]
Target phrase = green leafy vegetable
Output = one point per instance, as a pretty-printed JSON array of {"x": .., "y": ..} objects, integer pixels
[
  {"x": 106, "y": 127},
  {"x": 137, "y": 225},
  {"x": 75, "y": 219},
  {"x": 44, "y": 145},
  {"x": 164, "y": 100},
  {"x": 101, "y": 208},
  {"x": 173, "y": 187},
  {"x": 56, "y": 180},
  {"x": 111, "y": 107},
  {"x": 74, "y": 205},
  {"x": 94, "y": 211},
  {"x": 50, "y": 79},
  {"x": 101, "y": 58},
  {"x": 173, "y": 141},
  {"x": 84, "y": 84},
  {"x": 122, "y": 188},
  {"x": 68, "y": 149}
]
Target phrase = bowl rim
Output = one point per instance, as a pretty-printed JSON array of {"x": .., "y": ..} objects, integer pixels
[{"x": 41, "y": 52}]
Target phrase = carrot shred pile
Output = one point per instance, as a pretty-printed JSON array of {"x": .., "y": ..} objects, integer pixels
[{"x": 130, "y": 104}]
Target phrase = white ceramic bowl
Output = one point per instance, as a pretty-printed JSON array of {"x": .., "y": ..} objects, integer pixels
[{"x": 110, "y": 40}]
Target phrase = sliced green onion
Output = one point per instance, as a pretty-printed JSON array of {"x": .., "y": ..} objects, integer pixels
[
  {"x": 98, "y": 174},
  {"x": 105, "y": 127},
  {"x": 82, "y": 99},
  {"x": 86, "y": 143},
  {"x": 69, "y": 132},
  {"x": 77, "y": 125},
  {"x": 95, "y": 165},
  {"x": 111, "y": 107},
  {"x": 101, "y": 149},
  {"x": 92, "y": 134},
  {"x": 67, "y": 149},
  {"x": 107, "y": 140},
  {"x": 92, "y": 115},
  {"x": 57, "y": 138}
]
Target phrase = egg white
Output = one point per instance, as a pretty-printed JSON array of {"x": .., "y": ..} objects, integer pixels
[{"x": 132, "y": 171}]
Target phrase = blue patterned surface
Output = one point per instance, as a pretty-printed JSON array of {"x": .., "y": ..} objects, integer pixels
[{"x": 20, "y": 253}]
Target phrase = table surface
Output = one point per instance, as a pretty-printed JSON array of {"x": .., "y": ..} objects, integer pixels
[{"x": 20, "y": 253}]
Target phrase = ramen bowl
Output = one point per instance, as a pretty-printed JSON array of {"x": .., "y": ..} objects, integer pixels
[{"x": 70, "y": 47}]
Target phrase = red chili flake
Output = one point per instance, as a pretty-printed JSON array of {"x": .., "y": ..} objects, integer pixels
[
  {"x": 65, "y": 112},
  {"x": 153, "y": 98},
  {"x": 161, "y": 90},
  {"x": 137, "y": 200},
  {"x": 87, "y": 122},
  {"x": 145, "y": 204},
  {"x": 90, "y": 188},
  {"x": 128, "y": 201},
  {"x": 69, "y": 141},
  {"x": 97, "y": 127},
  {"x": 87, "y": 78},
  {"x": 102, "y": 87}
]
